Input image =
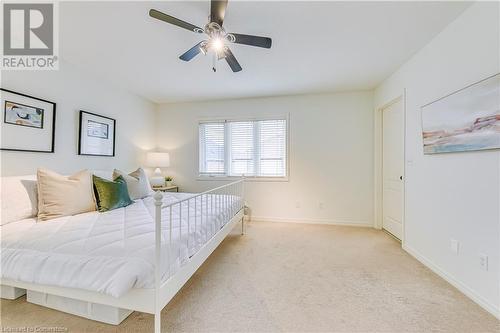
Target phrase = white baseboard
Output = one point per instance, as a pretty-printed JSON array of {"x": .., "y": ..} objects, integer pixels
[
  {"x": 485, "y": 304},
  {"x": 312, "y": 221}
]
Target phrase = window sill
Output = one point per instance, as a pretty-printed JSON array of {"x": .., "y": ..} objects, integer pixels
[{"x": 247, "y": 179}]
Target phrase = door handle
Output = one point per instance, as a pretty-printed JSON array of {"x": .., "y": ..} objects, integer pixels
[{"x": 400, "y": 177}]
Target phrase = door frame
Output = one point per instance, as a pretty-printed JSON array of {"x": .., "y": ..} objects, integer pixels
[{"x": 378, "y": 163}]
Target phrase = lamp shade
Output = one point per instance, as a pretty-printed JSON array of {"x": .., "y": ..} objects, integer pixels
[{"x": 158, "y": 160}]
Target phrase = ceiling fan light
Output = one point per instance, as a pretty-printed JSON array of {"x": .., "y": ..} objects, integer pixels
[
  {"x": 204, "y": 48},
  {"x": 217, "y": 44}
]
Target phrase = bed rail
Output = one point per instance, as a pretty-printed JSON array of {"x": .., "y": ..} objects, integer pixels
[{"x": 200, "y": 216}]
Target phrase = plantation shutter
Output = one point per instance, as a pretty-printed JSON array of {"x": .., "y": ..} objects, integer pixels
[
  {"x": 272, "y": 148},
  {"x": 242, "y": 150},
  {"x": 212, "y": 148}
]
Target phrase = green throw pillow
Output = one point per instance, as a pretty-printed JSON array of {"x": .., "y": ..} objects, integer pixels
[{"x": 111, "y": 194}]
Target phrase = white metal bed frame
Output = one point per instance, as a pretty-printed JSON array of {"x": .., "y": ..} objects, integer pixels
[{"x": 155, "y": 299}]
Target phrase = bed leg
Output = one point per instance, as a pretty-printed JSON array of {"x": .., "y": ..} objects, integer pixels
[
  {"x": 158, "y": 322},
  {"x": 242, "y": 226}
]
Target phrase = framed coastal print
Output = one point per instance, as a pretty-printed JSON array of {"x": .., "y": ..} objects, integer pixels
[
  {"x": 28, "y": 123},
  {"x": 97, "y": 135},
  {"x": 466, "y": 120}
]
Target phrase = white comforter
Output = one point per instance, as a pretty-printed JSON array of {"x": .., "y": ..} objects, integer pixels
[{"x": 111, "y": 252}]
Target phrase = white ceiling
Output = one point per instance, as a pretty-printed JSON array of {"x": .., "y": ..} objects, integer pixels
[{"x": 317, "y": 46}]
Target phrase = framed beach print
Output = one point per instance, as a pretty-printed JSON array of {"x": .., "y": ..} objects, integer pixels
[
  {"x": 466, "y": 120},
  {"x": 28, "y": 123},
  {"x": 97, "y": 135}
]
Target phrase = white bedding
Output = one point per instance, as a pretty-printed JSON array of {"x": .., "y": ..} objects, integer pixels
[{"x": 111, "y": 252}]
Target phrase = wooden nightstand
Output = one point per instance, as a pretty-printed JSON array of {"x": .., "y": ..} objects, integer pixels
[{"x": 173, "y": 188}]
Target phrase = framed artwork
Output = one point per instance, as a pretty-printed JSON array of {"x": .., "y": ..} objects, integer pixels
[
  {"x": 97, "y": 135},
  {"x": 466, "y": 120},
  {"x": 28, "y": 123}
]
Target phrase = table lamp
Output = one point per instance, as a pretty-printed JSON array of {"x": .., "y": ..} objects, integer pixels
[{"x": 158, "y": 160}]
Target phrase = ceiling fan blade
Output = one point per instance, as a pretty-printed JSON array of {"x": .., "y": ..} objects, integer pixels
[
  {"x": 175, "y": 21},
  {"x": 217, "y": 11},
  {"x": 231, "y": 60},
  {"x": 192, "y": 52},
  {"x": 259, "y": 41}
]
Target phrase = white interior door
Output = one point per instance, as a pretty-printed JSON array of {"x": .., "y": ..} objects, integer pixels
[{"x": 393, "y": 168}]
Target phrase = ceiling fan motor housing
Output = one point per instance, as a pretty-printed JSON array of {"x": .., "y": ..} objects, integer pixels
[{"x": 214, "y": 30}]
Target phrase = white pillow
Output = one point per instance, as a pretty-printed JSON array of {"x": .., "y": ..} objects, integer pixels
[
  {"x": 137, "y": 183},
  {"x": 18, "y": 198},
  {"x": 60, "y": 195}
]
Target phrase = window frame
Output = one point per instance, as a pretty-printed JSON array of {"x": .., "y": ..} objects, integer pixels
[{"x": 225, "y": 176}]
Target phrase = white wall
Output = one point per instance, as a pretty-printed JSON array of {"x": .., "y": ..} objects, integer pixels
[
  {"x": 73, "y": 90},
  {"x": 452, "y": 195},
  {"x": 331, "y": 159}
]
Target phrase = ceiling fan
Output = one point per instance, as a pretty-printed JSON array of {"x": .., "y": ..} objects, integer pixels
[{"x": 217, "y": 36}]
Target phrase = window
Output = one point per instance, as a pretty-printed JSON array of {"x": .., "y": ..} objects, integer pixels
[{"x": 255, "y": 148}]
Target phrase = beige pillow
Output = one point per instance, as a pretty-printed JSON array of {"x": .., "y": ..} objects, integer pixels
[
  {"x": 60, "y": 195},
  {"x": 137, "y": 183}
]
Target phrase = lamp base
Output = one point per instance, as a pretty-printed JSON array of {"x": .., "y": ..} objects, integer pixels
[{"x": 157, "y": 181}]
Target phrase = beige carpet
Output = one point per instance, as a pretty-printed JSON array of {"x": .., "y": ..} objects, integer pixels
[{"x": 297, "y": 278}]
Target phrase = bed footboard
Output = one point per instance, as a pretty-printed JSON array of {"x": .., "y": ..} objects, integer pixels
[{"x": 210, "y": 216}]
